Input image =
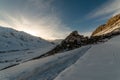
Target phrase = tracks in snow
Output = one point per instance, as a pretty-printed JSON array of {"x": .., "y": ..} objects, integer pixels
[{"x": 50, "y": 70}]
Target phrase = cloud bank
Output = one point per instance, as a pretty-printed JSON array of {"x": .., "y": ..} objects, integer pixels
[
  {"x": 108, "y": 9},
  {"x": 37, "y": 17}
]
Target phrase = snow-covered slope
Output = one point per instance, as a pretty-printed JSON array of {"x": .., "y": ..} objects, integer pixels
[
  {"x": 101, "y": 62},
  {"x": 17, "y": 47},
  {"x": 11, "y": 40},
  {"x": 43, "y": 69},
  {"x": 10, "y": 59}
]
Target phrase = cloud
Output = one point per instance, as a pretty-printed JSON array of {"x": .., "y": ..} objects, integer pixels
[
  {"x": 37, "y": 17},
  {"x": 88, "y": 33},
  {"x": 109, "y": 8}
]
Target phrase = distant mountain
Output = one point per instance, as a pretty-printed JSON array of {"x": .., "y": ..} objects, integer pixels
[
  {"x": 112, "y": 26},
  {"x": 57, "y": 41},
  {"x": 11, "y": 39}
]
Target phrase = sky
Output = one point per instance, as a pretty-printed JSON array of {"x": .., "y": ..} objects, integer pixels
[{"x": 55, "y": 19}]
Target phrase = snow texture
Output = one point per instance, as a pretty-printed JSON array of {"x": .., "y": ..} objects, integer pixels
[
  {"x": 17, "y": 47},
  {"x": 101, "y": 62},
  {"x": 43, "y": 69}
]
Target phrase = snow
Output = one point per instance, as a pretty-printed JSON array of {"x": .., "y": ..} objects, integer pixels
[
  {"x": 13, "y": 58},
  {"x": 11, "y": 40},
  {"x": 96, "y": 62},
  {"x": 45, "y": 68},
  {"x": 17, "y": 47},
  {"x": 101, "y": 62}
]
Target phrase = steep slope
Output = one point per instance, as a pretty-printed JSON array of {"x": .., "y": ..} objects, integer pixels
[
  {"x": 113, "y": 25},
  {"x": 11, "y": 40},
  {"x": 100, "y": 62}
]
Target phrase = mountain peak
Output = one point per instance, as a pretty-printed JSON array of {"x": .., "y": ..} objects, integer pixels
[
  {"x": 73, "y": 37},
  {"x": 74, "y": 33}
]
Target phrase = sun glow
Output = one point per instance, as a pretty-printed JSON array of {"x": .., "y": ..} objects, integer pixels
[
  {"x": 35, "y": 32},
  {"x": 45, "y": 28},
  {"x": 30, "y": 32},
  {"x": 28, "y": 27}
]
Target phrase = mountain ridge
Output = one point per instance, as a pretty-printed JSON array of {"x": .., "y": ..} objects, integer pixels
[
  {"x": 11, "y": 39},
  {"x": 112, "y": 25}
]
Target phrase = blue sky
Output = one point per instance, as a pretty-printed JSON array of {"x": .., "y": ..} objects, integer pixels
[
  {"x": 74, "y": 12},
  {"x": 54, "y": 19}
]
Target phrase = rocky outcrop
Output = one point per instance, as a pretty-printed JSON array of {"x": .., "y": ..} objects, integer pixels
[
  {"x": 74, "y": 40},
  {"x": 100, "y": 28},
  {"x": 112, "y": 25}
]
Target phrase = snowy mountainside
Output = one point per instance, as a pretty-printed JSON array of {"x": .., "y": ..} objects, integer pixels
[
  {"x": 100, "y": 62},
  {"x": 11, "y": 39},
  {"x": 25, "y": 57},
  {"x": 17, "y": 47},
  {"x": 44, "y": 68},
  {"x": 10, "y": 59}
]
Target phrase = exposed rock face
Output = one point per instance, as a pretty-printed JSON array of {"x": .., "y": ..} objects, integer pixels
[
  {"x": 100, "y": 28},
  {"x": 74, "y": 40},
  {"x": 112, "y": 25}
]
